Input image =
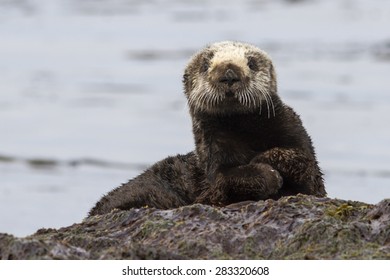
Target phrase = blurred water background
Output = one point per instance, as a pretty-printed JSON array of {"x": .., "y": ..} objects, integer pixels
[{"x": 91, "y": 93}]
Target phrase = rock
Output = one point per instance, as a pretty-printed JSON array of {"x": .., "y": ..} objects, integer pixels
[{"x": 296, "y": 227}]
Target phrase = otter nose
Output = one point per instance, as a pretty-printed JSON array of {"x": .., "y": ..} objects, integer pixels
[{"x": 230, "y": 77}]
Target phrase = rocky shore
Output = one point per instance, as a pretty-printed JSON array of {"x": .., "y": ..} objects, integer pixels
[{"x": 297, "y": 227}]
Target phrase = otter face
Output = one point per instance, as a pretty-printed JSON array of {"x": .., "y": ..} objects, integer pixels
[{"x": 230, "y": 77}]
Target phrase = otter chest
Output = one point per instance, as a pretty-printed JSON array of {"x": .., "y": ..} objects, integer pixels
[{"x": 236, "y": 141}]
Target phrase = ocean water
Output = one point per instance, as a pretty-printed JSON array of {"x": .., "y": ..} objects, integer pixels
[{"x": 91, "y": 93}]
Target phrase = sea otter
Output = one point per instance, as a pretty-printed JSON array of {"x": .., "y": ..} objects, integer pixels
[{"x": 249, "y": 145}]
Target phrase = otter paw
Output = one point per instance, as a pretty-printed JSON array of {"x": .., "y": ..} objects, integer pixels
[
  {"x": 273, "y": 181},
  {"x": 250, "y": 182}
]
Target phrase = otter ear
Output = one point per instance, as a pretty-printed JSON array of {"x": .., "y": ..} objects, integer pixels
[
  {"x": 185, "y": 77},
  {"x": 186, "y": 81}
]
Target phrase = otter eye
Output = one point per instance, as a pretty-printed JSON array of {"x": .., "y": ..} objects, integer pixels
[
  {"x": 205, "y": 66},
  {"x": 252, "y": 64}
]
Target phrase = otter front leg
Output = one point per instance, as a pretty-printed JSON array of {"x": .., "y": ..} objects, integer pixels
[
  {"x": 299, "y": 170},
  {"x": 245, "y": 182}
]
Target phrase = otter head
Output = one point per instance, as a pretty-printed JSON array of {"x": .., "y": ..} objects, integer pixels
[{"x": 228, "y": 78}]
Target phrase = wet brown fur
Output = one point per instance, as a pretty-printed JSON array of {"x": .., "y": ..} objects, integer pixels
[{"x": 246, "y": 149}]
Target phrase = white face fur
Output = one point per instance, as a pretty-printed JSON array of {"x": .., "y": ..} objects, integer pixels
[
  {"x": 254, "y": 84},
  {"x": 229, "y": 53},
  {"x": 234, "y": 52}
]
